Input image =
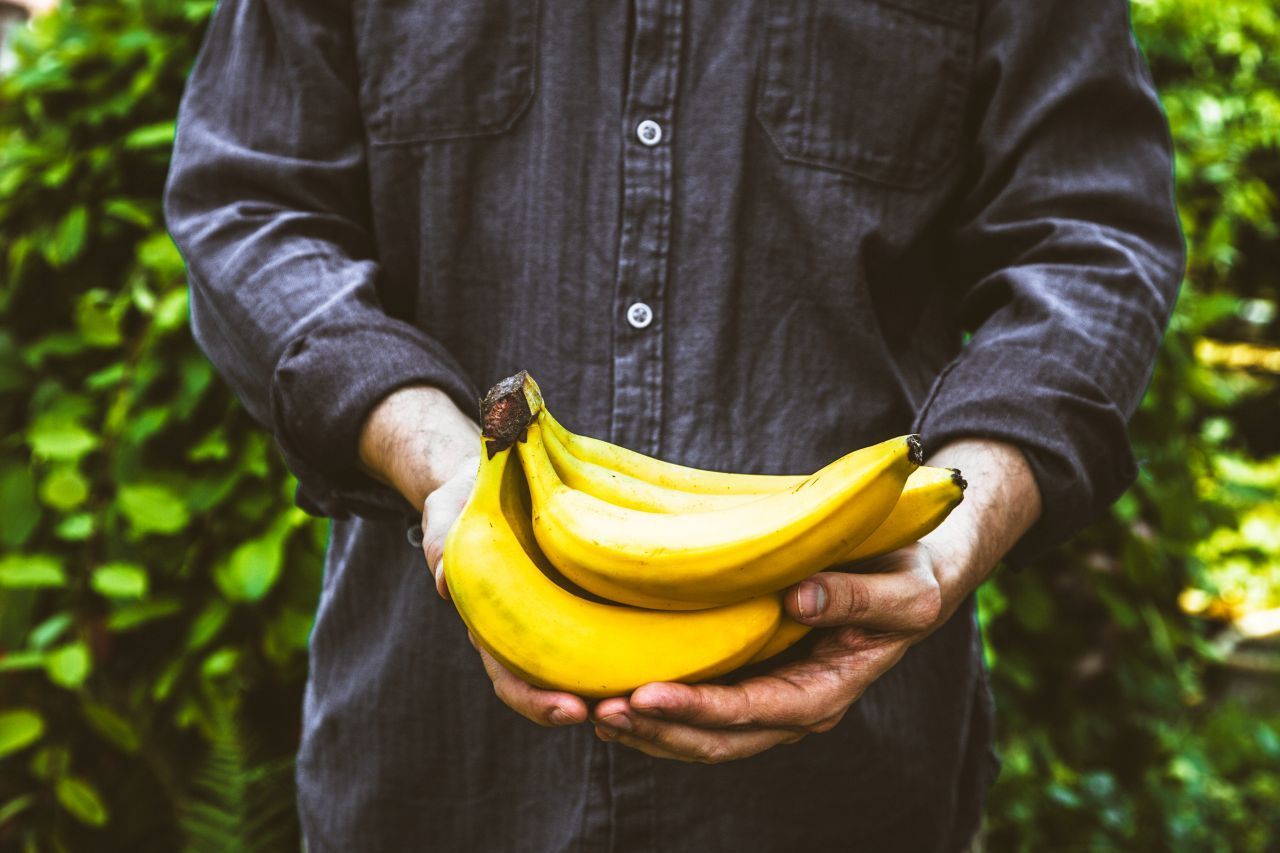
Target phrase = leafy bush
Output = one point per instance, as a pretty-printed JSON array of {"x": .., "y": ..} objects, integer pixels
[
  {"x": 156, "y": 586},
  {"x": 1111, "y": 728}
]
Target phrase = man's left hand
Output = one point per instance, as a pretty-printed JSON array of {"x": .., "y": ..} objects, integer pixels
[
  {"x": 874, "y": 618},
  {"x": 870, "y": 619}
]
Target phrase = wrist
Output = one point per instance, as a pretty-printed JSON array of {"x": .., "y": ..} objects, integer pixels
[
  {"x": 415, "y": 439},
  {"x": 1000, "y": 504}
]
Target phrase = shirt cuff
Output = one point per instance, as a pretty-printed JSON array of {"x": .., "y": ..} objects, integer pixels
[
  {"x": 327, "y": 382},
  {"x": 1073, "y": 436}
]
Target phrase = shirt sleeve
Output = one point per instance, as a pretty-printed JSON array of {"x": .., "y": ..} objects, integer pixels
[
  {"x": 267, "y": 199},
  {"x": 1065, "y": 251}
]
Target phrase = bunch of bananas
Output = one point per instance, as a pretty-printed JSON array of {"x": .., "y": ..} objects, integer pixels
[{"x": 587, "y": 567}]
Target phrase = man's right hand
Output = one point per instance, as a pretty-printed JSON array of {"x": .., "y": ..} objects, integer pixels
[
  {"x": 544, "y": 707},
  {"x": 440, "y": 511},
  {"x": 417, "y": 441}
]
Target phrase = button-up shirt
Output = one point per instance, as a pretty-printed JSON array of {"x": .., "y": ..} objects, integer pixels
[{"x": 745, "y": 236}]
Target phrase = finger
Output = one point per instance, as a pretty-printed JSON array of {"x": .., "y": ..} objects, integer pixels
[
  {"x": 610, "y": 707},
  {"x": 442, "y": 582},
  {"x": 439, "y": 512},
  {"x": 905, "y": 599},
  {"x": 705, "y": 746},
  {"x": 544, "y": 707},
  {"x": 799, "y": 696}
]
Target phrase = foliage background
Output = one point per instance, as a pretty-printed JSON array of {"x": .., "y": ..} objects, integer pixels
[{"x": 156, "y": 585}]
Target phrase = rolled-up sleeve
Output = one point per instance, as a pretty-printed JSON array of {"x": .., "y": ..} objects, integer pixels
[
  {"x": 267, "y": 199},
  {"x": 1066, "y": 254}
]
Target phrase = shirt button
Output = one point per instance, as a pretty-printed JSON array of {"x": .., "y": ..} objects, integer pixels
[
  {"x": 414, "y": 535},
  {"x": 639, "y": 315},
  {"x": 649, "y": 132}
]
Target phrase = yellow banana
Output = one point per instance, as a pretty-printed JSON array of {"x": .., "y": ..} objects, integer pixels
[
  {"x": 928, "y": 497},
  {"x": 634, "y": 480},
  {"x": 788, "y": 633},
  {"x": 692, "y": 560},
  {"x": 504, "y": 592},
  {"x": 667, "y": 474},
  {"x": 628, "y": 491}
]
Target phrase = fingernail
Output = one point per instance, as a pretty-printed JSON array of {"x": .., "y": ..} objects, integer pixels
[
  {"x": 617, "y": 721},
  {"x": 811, "y": 599},
  {"x": 606, "y": 733},
  {"x": 560, "y": 717}
]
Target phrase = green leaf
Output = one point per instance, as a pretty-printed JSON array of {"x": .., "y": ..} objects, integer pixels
[
  {"x": 76, "y": 528},
  {"x": 68, "y": 666},
  {"x": 152, "y": 508},
  {"x": 128, "y": 210},
  {"x": 15, "y": 807},
  {"x": 173, "y": 310},
  {"x": 220, "y": 663},
  {"x": 254, "y": 567},
  {"x": 50, "y": 762},
  {"x": 213, "y": 447},
  {"x": 56, "y": 437},
  {"x": 58, "y": 344},
  {"x": 207, "y": 625},
  {"x": 30, "y": 571},
  {"x": 107, "y": 377},
  {"x": 81, "y": 800},
  {"x": 44, "y": 634},
  {"x": 151, "y": 136},
  {"x": 132, "y": 615},
  {"x": 18, "y": 503},
  {"x": 113, "y": 727},
  {"x": 21, "y": 660},
  {"x": 98, "y": 324},
  {"x": 68, "y": 238},
  {"x": 119, "y": 580},
  {"x": 64, "y": 489},
  {"x": 19, "y": 728},
  {"x": 161, "y": 257}
]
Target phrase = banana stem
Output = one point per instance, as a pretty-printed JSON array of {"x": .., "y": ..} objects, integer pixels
[{"x": 507, "y": 410}]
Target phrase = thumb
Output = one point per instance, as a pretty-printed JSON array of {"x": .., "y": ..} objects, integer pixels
[{"x": 904, "y": 600}]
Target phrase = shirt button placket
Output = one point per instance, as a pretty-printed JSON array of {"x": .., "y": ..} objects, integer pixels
[
  {"x": 644, "y": 246},
  {"x": 645, "y": 224}
]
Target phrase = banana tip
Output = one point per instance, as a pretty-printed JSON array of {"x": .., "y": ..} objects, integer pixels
[
  {"x": 958, "y": 479},
  {"x": 915, "y": 451}
]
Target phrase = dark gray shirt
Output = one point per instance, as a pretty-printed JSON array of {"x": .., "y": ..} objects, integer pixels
[{"x": 748, "y": 236}]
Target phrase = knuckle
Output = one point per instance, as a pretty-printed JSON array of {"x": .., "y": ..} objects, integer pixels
[
  {"x": 827, "y": 724},
  {"x": 743, "y": 713},
  {"x": 714, "y": 753},
  {"x": 855, "y": 599},
  {"x": 928, "y": 604}
]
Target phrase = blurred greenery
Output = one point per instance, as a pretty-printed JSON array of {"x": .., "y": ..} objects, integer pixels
[{"x": 156, "y": 585}]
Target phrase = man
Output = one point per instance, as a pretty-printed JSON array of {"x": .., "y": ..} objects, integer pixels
[{"x": 745, "y": 236}]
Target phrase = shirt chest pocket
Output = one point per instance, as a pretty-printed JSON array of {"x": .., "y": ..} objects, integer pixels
[
  {"x": 434, "y": 70},
  {"x": 873, "y": 88}
]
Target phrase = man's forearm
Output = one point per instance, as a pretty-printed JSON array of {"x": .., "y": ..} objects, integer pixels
[
  {"x": 416, "y": 439},
  {"x": 1000, "y": 504}
]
